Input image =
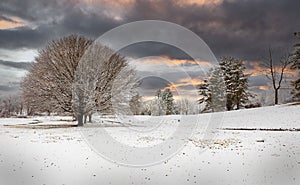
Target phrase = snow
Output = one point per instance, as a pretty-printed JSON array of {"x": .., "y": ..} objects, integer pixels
[
  {"x": 37, "y": 120},
  {"x": 62, "y": 155},
  {"x": 280, "y": 116}
]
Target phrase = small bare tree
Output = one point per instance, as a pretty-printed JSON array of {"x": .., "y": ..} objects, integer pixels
[
  {"x": 187, "y": 106},
  {"x": 276, "y": 72},
  {"x": 136, "y": 104},
  {"x": 11, "y": 105}
]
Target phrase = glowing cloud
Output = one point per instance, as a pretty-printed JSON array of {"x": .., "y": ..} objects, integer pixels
[
  {"x": 11, "y": 23},
  {"x": 256, "y": 68},
  {"x": 200, "y": 2},
  {"x": 175, "y": 62}
]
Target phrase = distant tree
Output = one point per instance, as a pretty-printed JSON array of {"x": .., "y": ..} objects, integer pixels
[
  {"x": 187, "y": 106},
  {"x": 168, "y": 101},
  {"x": 205, "y": 95},
  {"x": 11, "y": 105},
  {"x": 136, "y": 104},
  {"x": 236, "y": 82},
  {"x": 148, "y": 107},
  {"x": 159, "y": 102},
  {"x": 227, "y": 83},
  {"x": 276, "y": 72},
  {"x": 295, "y": 65},
  {"x": 212, "y": 92}
]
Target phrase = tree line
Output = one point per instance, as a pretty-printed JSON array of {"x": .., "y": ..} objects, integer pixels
[{"x": 65, "y": 79}]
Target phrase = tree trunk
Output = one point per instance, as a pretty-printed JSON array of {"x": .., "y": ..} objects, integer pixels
[
  {"x": 238, "y": 105},
  {"x": 85, "y": 118},
  {"x": 276, "y": 96},
  {"x": 21, "y": 109},
  {"x": 80, "y": 116},
  {"x": 90, "y": 118},
  {"x": 80, "y": 120},
  {"x": 229, "y": 105}
]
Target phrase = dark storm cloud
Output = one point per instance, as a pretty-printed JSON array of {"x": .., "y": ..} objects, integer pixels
[
  {"x": 18, "y": 65},
  {"x": 22, "y": 38},
  {"x": 145, "y": 49},
  {"x": 240, "y": 28},
  {"x": 48, "y": 20},
  {"x": 35, "y": 10},
  {"x": 4, "y": 18},
  {"x": 155, "y": 83}
]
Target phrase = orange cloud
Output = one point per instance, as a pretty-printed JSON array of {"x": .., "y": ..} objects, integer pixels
[
  {"x": 257, "y": 69},
  {"x": 264, "y": 88},
  {"x": 124, "y": 4},
  {"x": 119, "y": 5},
  {"x": 116, "y": 3},
  {"x": 175, "y": 62},
  {"x": 184, "y": 82},
  {"x": 115, "y": 9},
  {"x": 199, "y": 2},
  {"x": 191, "y": 81},
  {"x": 14, "y": 23}
]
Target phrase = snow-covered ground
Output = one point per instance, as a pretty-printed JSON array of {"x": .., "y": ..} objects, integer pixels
[{"x": 67, "y": 156}]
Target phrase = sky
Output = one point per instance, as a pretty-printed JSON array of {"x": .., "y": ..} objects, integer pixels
[{"x": 244, "y": 29}]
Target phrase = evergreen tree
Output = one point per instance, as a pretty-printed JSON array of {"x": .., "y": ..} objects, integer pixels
[
  {"x": 236, "y": 82},
  {"x": 159, "y": 102},
  {"x": 212, "y": 92},
  {"x": 168, "y": 101},
  {"x": 228, "y": 83}
]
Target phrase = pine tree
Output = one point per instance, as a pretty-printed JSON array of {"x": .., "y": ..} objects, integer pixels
[
  {"x": 159, "y": 102},
  {"x": 205, "y": 95},
  {"x": 168, "y": 101},
  {"x": 226, "y": 85},
  {"x": 212, "y": 92},
  {"x": 236, "y": 82}
]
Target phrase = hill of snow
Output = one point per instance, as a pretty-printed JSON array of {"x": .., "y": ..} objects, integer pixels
[{"x": 62, "y": 155}]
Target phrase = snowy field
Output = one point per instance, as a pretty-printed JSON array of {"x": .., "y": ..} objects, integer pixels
[{"x": 34, "y": 153}]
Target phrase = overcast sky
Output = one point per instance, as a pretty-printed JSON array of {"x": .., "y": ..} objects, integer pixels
[{"x": 240, "y": 28}]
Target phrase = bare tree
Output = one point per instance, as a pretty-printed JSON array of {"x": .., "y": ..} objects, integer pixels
[
  {"x": 104, "y": 82},
  {"x": 87, "y": 75},
  {"x": 11, "y": 105},
  {"x": 187, "y": 106},
  {"x": 149, "y": 107},
  {"x": 136, "y": 104},
  {"x": 48, "y": 85},
  {"x": 276, "y": 72},
  {"x": 76, "y": 76}
]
